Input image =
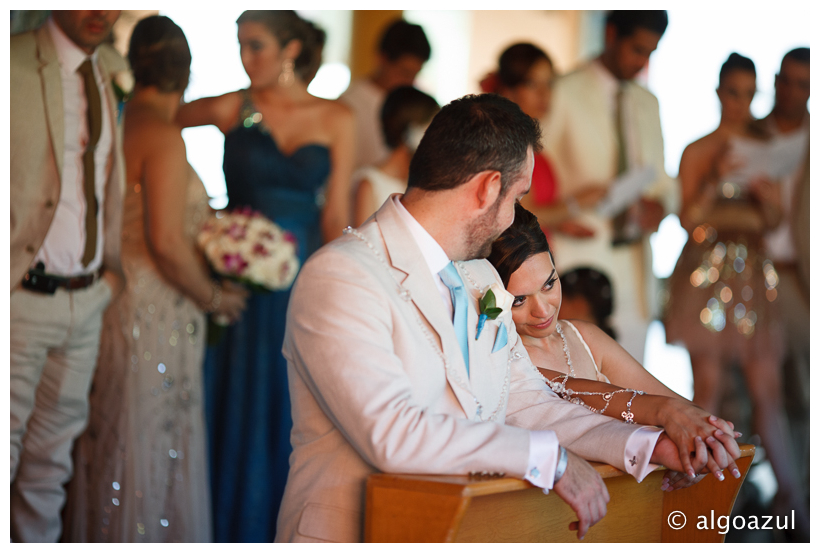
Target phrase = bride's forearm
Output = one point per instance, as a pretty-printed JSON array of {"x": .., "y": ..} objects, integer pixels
[{"x": 610, "y": 400}]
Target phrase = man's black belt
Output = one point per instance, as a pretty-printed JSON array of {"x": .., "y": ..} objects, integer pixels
[{"x": 38, "y": 280}]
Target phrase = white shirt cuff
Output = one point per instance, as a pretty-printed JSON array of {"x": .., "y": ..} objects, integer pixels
[
  {"x": 638, "y": 451},
  {"x": 543, "y": 459}
]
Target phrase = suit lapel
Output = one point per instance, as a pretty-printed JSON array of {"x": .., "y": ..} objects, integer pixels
[
  {"x": 405, "y": 256},
  {"x": 52, "y": 92}
]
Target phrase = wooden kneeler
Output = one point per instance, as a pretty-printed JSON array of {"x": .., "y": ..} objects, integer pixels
[{"x": 423, "y": 508}]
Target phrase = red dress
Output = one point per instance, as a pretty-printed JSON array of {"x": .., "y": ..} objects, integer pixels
[{"x": 544, "y": 188}]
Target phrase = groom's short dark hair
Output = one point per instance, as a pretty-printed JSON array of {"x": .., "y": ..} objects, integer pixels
[{"x": 472, "y": 134}]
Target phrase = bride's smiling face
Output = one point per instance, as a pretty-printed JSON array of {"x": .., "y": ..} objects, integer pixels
[{"x": 537, "y": 292}]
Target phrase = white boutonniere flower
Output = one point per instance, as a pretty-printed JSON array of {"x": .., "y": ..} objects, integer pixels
[
  {"x": 123, "y": 84},
  {"x": 494, "y": 302}
]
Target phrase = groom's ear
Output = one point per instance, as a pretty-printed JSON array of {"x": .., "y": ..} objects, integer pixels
[{"x": 486, "y": 188}]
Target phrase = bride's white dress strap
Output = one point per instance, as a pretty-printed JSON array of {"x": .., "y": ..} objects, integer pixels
[{"x": 586, "y": 347}]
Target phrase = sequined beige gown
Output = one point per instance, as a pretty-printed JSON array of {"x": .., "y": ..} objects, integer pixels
[{"x": 141, "y": 470}]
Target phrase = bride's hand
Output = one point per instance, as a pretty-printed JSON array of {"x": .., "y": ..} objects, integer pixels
[
  {"x": 674, "y": 480},
  {"x": 693, "y": 431}
]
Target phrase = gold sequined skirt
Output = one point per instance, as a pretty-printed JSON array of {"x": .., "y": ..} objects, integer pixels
[{"x": 722, "y": 294}]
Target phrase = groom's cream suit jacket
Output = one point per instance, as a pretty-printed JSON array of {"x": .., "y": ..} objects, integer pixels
[
  {"x": 367, "y": 333},
  {"x": 37, "y": 132}
]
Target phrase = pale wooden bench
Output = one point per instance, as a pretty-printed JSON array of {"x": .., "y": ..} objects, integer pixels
[{"x": 423, "y": 508}]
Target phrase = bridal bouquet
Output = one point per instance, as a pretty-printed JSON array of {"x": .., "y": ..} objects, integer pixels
[{"x": 247, "y": 247}]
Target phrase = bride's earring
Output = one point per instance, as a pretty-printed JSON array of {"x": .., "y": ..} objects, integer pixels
[{"x": 286, "y": 77}]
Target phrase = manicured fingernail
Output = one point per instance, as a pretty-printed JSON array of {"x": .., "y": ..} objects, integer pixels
[
  {"x": 691, "y": 473},
  {"x": 736, "y": 473},
  {"x": 698, "y": 439},
  {"x": 712, "y": 418},
  {"x": 738, "y": 434},
  {"x": 719, "y": 476},
  {"x": 718, "y": 433}
]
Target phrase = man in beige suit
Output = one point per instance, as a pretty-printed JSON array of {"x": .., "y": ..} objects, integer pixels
[
  {"x": 387, "y": 370},
  {"x": 603, "y": 124},
  {"x": 66, "y": 190}
]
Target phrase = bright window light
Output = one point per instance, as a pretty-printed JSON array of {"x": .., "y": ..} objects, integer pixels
[{"x": 330, "y": 81}]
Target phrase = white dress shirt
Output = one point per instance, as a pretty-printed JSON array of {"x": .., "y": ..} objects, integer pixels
[
  {"x": 63, "y": 247},
  {"x": 543, "y": 455},
  {"x": 609, "y": 86}
]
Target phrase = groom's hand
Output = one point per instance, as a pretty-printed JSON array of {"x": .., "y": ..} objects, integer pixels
[
  {"x": 666, "y": 454},
  {"x": 583, "y": 489}
]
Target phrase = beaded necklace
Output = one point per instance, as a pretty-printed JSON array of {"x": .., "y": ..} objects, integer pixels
[
  {"x": 405, "y": 295},
  {"x": 560, "y": 388}
]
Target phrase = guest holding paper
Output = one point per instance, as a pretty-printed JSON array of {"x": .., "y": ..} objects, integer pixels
[
  {"x": 788, "y": 245},
  {"x": 724, "y": 289},
  {"x": 604, "y": 126}
]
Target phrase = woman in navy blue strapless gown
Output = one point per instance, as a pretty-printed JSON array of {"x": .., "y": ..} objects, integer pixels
[{"x": 288, "y": 155}]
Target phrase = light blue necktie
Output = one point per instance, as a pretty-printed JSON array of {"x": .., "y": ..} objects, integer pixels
[{"x": 461, "y": 301}]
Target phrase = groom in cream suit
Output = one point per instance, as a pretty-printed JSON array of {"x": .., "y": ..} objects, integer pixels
[
  {"x": 603, "y": 124},
  {"x": 387, "y": 370},
  {"x": 67, "y": 178}
]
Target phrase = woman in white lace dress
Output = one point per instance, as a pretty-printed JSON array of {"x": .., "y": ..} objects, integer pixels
[{"x": 141, "y": 473}]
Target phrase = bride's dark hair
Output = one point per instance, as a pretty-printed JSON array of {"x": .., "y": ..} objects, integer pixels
[
  {"x": 159, "y": 54},
  {"x": 286, "y": 25},
  {"x": 518, "y": 243}
]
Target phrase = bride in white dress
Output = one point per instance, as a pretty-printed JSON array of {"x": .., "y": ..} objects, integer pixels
[{"x": 141, "y": 473}]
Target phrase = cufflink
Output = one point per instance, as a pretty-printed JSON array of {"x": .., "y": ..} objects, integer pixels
[{"x": 535, "y": 473}]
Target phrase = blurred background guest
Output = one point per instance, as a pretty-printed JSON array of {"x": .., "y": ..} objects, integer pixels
[
  {"x": 787, "y": 246},
  {"x": 525, "y": 75},
  {"x": 66, "y": 179},
  {"x": 587, "y": 295},
  {"x": 405, "y": 115},
  {"x": 403, "y": 49},
  {"x": 603, "y": 125},
  {"x": 723, "y": 287},
  {"x": 288, "y": 155},
  {"x": 144, "y": 448}
]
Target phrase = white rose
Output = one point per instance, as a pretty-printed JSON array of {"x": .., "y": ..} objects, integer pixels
[{"x": 503, "y": 299}]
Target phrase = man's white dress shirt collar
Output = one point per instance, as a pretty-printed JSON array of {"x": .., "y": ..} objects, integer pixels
[{"x": 69, "y": 54}]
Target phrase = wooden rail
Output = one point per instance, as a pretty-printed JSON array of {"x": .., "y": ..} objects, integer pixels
[{"x": 423, "y": 508}]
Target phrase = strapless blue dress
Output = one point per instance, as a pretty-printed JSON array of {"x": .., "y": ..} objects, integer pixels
[{"x": 246, "y": 389}]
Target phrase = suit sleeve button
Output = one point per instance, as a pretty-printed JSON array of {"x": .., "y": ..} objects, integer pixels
[
  {"x": 49, "y": 204},
  {"x": 30, "y": 248}
]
